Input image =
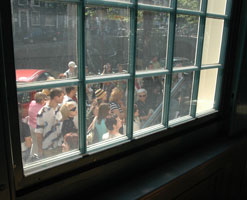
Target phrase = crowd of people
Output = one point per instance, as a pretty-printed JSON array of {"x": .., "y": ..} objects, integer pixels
[{"x": 52, "y": 123}]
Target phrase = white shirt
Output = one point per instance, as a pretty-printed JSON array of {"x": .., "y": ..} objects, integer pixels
[{"x": 49, "y": 125}]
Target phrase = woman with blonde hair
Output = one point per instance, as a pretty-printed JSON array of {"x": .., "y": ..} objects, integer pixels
[
  {"x": 116, "y": 104},
  {"x": 68, "y": 111}
]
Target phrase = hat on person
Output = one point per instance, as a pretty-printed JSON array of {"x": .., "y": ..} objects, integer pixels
[
  {"x": 72, "y": 64},
  {"x": 100, "y": 93}
]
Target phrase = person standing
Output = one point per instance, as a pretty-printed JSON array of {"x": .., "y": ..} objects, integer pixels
[
  {"x": 34, "y": 108},
  {"x": 69, "y": 111},
  {"x": 144, "y": 108},
  {"x": 48, "y": 129},
  {"x": 71, "y": 96},
  {"x": 71, "y": 72},
  {"x": 113, "y": 124}
]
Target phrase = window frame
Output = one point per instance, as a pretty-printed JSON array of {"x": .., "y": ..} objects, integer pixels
[{"x": 24, "y": 182}]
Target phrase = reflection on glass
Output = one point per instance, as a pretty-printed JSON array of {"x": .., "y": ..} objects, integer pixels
[
  {"x": 152, "y": 31},
  {"x": 148, "y": 102},
  {"x": 45, "y": 40},
  {"x": 50, "y": 118},
  {"x": 107, "y": 40},
  {"x": 212, "y": 41},
  {"x": 189, "y": 5},
  {"x": 181, "y": 93},
  {"x": 165, "y": 3},
  {"x": 216, "y": 7},
  {"x": 186, "y": 38},
  {"x": 207, "y": 88},
  {"x": 106, "y": 110}
]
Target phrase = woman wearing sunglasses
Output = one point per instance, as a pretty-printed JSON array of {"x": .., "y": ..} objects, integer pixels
[{"x": 69, "y": 111}]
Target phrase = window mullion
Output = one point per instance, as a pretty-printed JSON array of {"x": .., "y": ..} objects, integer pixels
[
  {"x": 131, "y": 82},
  {"x": 222, "y": 56},
  {"x": 198, "y": 58},
  {"x": 82, "y": 85},
  {"x": 168, "y": 80}
]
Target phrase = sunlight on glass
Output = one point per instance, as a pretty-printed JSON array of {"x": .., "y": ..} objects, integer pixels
[
  {"x": 216, "y": 7},
  {"x": 212, "y": 41},
  {"x": 207, "y": 88}
]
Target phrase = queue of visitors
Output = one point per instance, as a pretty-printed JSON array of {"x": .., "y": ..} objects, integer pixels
[{"x": 52, "y": 125}]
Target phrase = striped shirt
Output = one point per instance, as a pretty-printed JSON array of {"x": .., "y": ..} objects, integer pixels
[
  {"x": 49, "y": 125},
  {"x": 114, "y": 105}
]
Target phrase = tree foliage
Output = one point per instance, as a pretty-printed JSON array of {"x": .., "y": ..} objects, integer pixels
[{"x": 189, "y": 4}]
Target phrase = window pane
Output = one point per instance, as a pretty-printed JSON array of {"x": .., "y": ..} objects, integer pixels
[
  {"x": 181, "y": 93},
  {"x": 149, "y": 101},
  {"x": 186, "y": 39},
  {"x": 152, "y": 37},
  {"x": 45, "y": 40},
  {"x": 50, "y": 118},
  {"x": 206, "y": 92},
  {"x": 212, "y": 41},
  {"x": 216, "y": 7},
  {"x": 189, "y": 5},
  {"x": 107, "y": 40},
  {"x": 165, "y": 3},
  {"x": 103, "y": 101}
]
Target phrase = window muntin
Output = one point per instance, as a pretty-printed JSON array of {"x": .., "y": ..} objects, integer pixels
[{"x": 77, "y": 41}]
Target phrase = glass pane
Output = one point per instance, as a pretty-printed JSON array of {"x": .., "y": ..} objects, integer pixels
[
  {"x": 148, "y": 101},
  {"x": 45, "y": 41},
  {"x": 185, "y": 40},
  {"x": 103, "y": 101},
  {"x": 189, "y": 5},
  {"x": 212, "y": 41},
  {"x": 152, "y": 32},
  {"x": 165, "y": 3},
  {"x": 107, "y": 40},
  {"x": 207, "y": 88},
  {"x": 216, "y": 7},
  {"x": 49, "y": 118},
  {"x": 181, "y": 94}
]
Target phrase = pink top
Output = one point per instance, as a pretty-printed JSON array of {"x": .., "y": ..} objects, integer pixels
[{"x": 32, "y": 112}]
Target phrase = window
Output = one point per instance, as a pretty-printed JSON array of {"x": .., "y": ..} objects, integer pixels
[
  {"x": 22, "y": 2},
  {"x": 35, "y": 3},
  {"x": 35, "y": 18},
  {"x": 115, "y": 71}
]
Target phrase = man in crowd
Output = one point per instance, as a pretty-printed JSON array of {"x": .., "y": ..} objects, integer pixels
[
  {"x": 71, "y": 72},
  {"x": 48, "y": 129}
]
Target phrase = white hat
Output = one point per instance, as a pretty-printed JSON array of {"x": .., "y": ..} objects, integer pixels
[{"x": 72, "y": 64}]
